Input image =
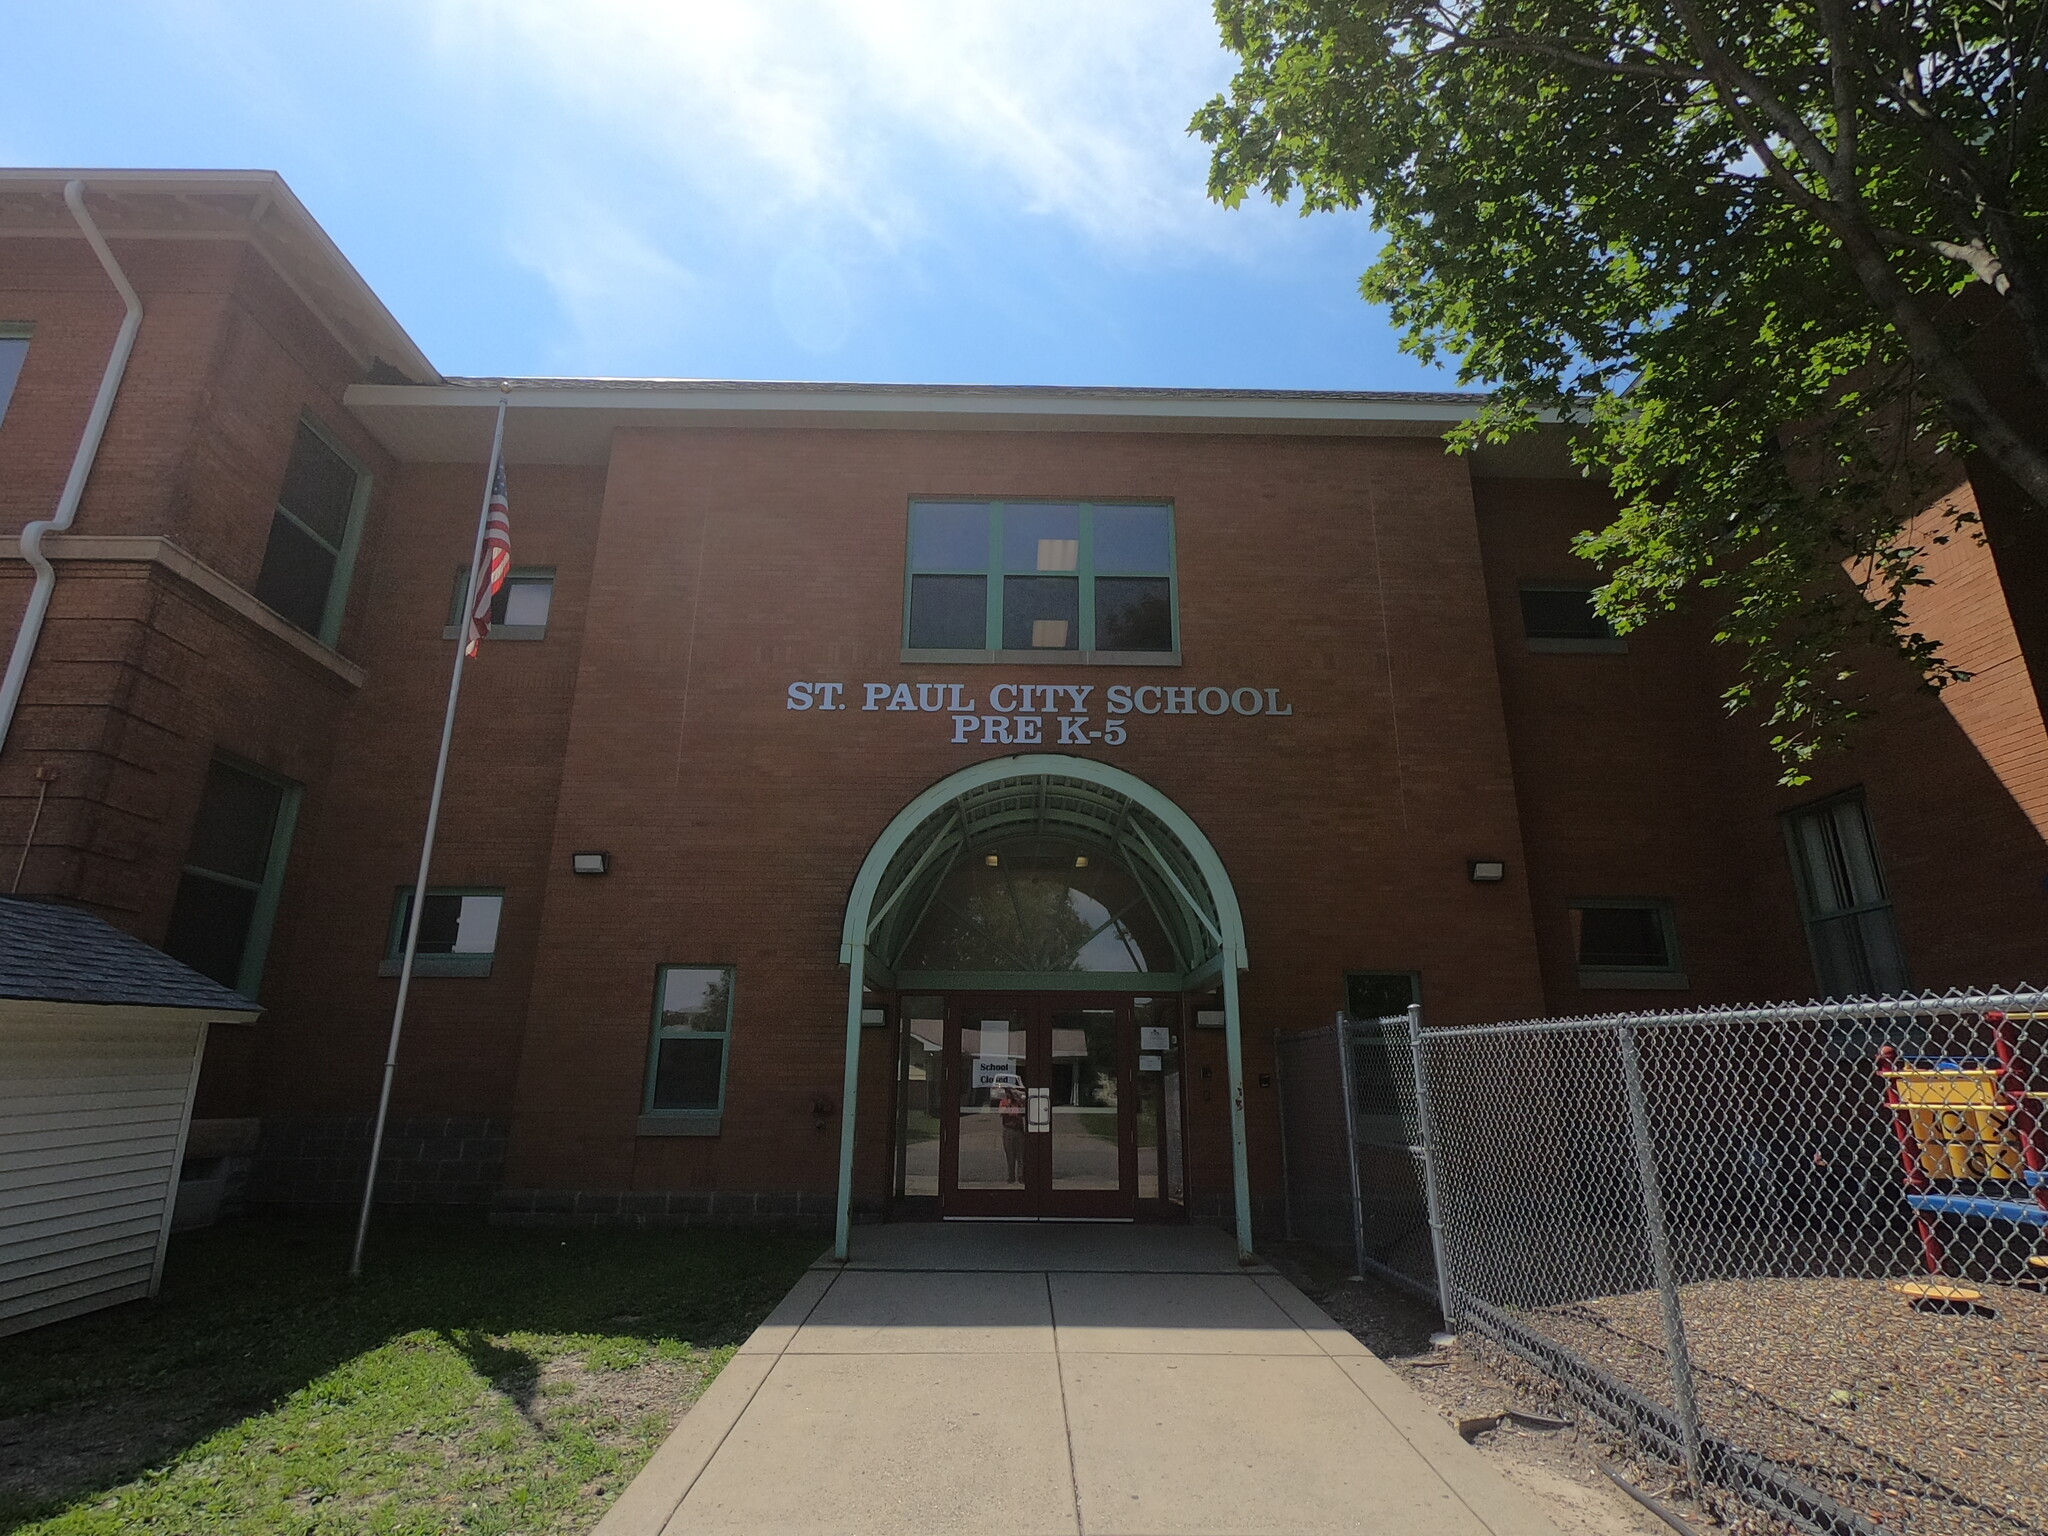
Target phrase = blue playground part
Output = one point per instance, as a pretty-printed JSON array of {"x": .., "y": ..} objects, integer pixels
[{"x": 2024, "y": 1212}]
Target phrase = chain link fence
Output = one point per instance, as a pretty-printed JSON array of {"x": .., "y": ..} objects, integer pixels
[{"x": 1799, "y": 1252}]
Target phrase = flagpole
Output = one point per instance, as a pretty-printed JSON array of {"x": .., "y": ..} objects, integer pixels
[{"x": 419, "y": 886}]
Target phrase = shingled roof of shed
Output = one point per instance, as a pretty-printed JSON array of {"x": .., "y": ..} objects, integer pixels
[{"x": 53, "y": 953}]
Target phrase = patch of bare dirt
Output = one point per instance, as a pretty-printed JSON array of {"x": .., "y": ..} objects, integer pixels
[{"x": 1558, "y": 1469}]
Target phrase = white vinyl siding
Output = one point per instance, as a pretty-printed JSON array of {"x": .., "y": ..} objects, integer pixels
[{"x": 94, "y": 1105}]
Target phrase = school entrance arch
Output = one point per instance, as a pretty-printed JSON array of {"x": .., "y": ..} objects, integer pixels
[{"x": 1193, "y": 926}]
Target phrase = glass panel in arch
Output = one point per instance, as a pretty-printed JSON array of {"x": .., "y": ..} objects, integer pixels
[{"x": 1039, "y": 905}]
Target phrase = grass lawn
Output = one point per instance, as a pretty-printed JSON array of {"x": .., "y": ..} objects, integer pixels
[{"x": 476, "y": 1380}]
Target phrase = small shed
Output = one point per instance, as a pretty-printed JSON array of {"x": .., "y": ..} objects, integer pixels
[{"x": 100, "y": 1043}]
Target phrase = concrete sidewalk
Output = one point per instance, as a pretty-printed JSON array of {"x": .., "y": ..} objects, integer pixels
[{"x": 1060, "y": 1378}]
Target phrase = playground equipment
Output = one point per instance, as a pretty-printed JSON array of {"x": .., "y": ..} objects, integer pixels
[{"x": 1970, "y": 1138}]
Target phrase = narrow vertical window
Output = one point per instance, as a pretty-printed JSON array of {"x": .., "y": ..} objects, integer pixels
[
  {"x": 1842, "y": 894},
  {"x": 227, "y": 893},
  {"x": 687, "y": 1057},
  {"x": 312, "y": 536},
  {"x": 13, "y": 353}
]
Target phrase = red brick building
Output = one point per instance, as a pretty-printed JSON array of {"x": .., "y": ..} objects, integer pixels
[{"x": 1081, "y": 719}]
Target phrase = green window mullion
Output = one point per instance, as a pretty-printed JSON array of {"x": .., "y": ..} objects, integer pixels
[
  {"x": 992, "y": 634},
  {"x": 1085, "y": 573},
  {"x": 306, "y": 528},
  {"x": 256, "y": 948},
  {"x": 1173, "y": 572}
]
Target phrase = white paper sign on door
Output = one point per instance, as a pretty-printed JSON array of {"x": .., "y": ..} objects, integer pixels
[
  {"x": 995, "y": 1037},
  {"x": 1154, "y": 1037},
  {"x": 995, "y": 1071}
]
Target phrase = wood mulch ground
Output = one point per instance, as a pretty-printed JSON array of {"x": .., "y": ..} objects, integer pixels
[{"x": 1930, "y": 1422}]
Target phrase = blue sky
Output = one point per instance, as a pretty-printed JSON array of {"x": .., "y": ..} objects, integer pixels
[{"x": 895, "y": 190}]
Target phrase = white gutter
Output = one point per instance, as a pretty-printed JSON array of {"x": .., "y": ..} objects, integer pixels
[{"x": 81, "y": 468}]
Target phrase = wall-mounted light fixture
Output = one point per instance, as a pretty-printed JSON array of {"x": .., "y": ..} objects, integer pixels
[
  {"x": 991, "y": 859},
  {"x": 1487, "y": 871},
  {"x": 591, "y": 863}
]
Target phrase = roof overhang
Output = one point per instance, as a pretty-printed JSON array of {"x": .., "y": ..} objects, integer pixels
[
  {"x": 255, "y": 206},
  {"x": 572, "y": 421}
]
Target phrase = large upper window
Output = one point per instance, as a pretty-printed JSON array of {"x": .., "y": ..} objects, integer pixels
[
  {"x": 1842, "y": 893},
  {"x": 227, "y": 894},
  {"x": 1040, "y": 579},
  {"x": 13, "y": 353},
  {"x": 312, "y": 536}
]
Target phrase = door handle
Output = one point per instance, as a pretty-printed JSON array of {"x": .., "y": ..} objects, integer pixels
[{"x": 1038, "y": 1109}]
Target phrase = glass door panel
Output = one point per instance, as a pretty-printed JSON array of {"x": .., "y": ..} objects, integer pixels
[
  {"x": 1161, "y": 1182},
  {"x": 923, "y": 1097},
  {"x": 995, "y": 1067},
  {"x": 1087, "y": 1109}
]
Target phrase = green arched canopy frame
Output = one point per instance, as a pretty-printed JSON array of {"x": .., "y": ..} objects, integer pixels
[{"x": 1075, "y": 798}]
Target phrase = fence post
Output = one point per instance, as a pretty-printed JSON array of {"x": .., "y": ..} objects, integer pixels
[
  {"x": 1683, "y": 1398},
  {"x": 1445, "y": 1303},
  {"x": 1344, "y": 1081}
]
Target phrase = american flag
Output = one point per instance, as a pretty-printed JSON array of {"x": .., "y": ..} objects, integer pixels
[{"x": 497, "y": 561}]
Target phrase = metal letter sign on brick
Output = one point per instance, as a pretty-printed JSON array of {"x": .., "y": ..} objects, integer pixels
[{"x": 1037, "y": 714}]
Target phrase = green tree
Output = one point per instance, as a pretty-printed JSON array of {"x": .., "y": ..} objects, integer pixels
[{"x": 1780, "y": 262}]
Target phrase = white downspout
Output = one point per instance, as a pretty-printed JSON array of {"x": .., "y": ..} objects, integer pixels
[{"x": 81, "y": 469}]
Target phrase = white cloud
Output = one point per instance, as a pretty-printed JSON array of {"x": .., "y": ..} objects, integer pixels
[{"x": 853, "y": 113}]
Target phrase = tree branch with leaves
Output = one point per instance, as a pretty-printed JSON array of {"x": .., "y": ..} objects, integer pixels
[{"x": 1767, "y": 256}]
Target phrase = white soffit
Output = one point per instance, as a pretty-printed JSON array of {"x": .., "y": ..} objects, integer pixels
[{"x": 572, "y": 421}]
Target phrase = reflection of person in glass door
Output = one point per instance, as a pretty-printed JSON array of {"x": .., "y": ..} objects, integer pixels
[{"x": 1010, "y": 1105}]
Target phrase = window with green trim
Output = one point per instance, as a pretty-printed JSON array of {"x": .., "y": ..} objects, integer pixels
[
  {"x": 458, "y": 931},
  {"x": 13, "y": 353},
  {"x": 313, "y": 535},
  {"x": 1040, "y": 578},
  {"x": 226, "y": 904},
  {"x": 687, "y": 1056},
  {"x": 520, "y": 609}
]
